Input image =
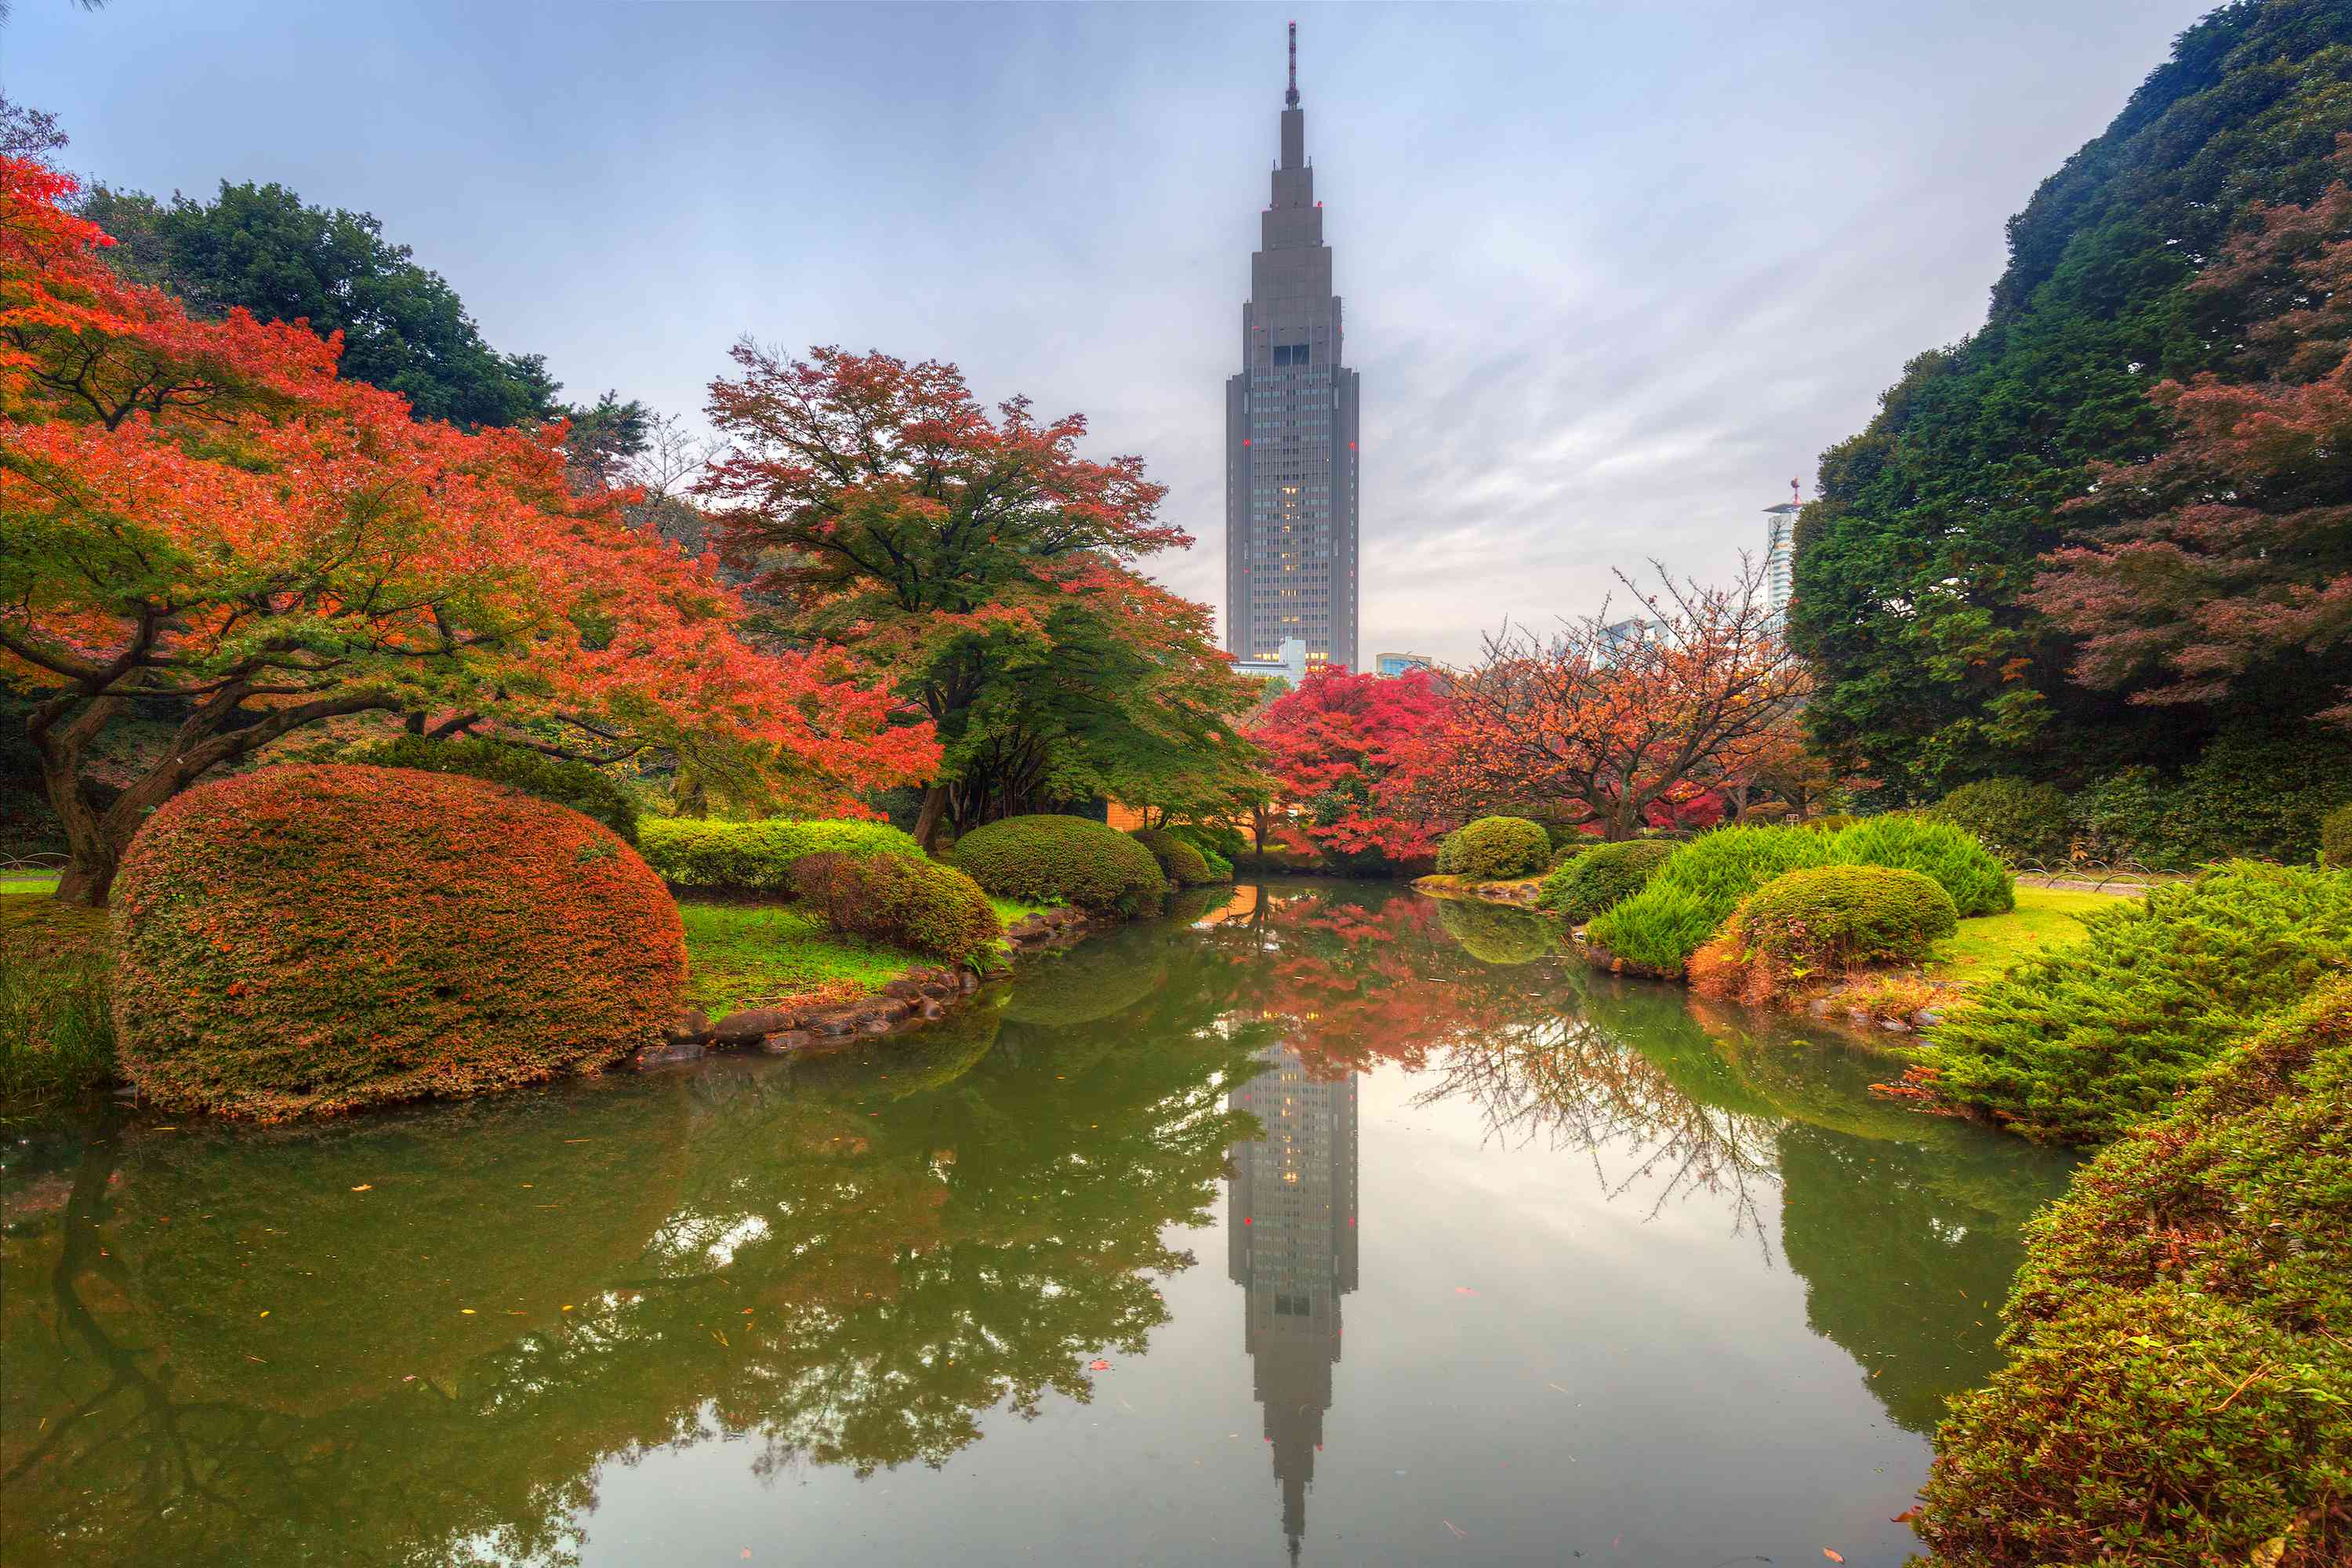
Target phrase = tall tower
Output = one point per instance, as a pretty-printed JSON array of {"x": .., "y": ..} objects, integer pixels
[
  {"x": 1780, "y": 552},
  {"x": 1292, "y": 563}
]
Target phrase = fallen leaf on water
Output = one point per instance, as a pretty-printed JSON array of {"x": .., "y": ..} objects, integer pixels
[
  {"x": 1832, "y": 1555},
  {"x": 265, "y": 1311},
  {"x": 1449, "y": 1525},
  {"x": 467, "y": 1311},
  {"x": 1464, "y": 1290},
  {"x": 364, "y": 1187},
  {"x": 1098, "y": 1364},
  {"x": 1907, "y": 1516}
]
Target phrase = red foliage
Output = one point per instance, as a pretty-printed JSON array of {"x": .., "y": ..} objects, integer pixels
[
  {"x": 301, "y": 940},
  {"x": 2229, "y": 553},
  {"x": 1350, "y": 755},
  {"x": 207, "y": 513}
]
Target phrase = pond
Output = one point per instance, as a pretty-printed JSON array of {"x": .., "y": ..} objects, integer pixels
[{"x": 1318, "y": 1222}]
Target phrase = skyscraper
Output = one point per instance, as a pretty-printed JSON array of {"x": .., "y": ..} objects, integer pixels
[
  {"x": 1291, "y": 557},
  {"x": 1290, "y": 1244},
  {"x": 1780, "y": 552}
]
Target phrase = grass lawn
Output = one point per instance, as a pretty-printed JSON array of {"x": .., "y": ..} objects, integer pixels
[
  {"x": 756, "y": 955},
  {"x": 1983, "y": 947}
]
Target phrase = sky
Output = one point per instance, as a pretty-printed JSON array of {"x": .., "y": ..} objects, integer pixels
[{"x": 1613, "y": 275}]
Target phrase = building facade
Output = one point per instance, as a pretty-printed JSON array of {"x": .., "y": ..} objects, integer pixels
[
  {"x": 1292, "y": 563},
  {"x": 1288, "y": 663},
  {"x": 1780, "y": 555},
  {"x": 1398, "y": 663}
]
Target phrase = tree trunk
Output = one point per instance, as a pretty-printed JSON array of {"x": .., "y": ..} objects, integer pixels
[{"x": 927, "y": 820}]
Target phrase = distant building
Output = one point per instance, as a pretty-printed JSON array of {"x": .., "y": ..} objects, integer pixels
[
  {"x": 1398, "y": 663},
  {"x": 1618, "y": 637},
  {"x": 1290, "y": 433},
  {"x": 1780, "y": 555},
  {"x": 1289, "y": 662}
]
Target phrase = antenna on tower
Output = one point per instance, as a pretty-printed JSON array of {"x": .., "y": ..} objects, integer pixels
[
  {"x": 1291, "y": 98},
  {"x": 1796, "y": 488}
]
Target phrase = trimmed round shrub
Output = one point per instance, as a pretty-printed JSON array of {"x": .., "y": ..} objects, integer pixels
[
  {"x": 1600, "y": 878},
  {"x": 1179, "y": 862},
  {"x": 1979, "y": 883},
  {"x": 1562, "y": 854},
  {"x": 2018, "y": 820},
  {"x": 1066, "y": 859},
  {"x": 584, "y": 789},
  {"x": 917, "y": 904},
  {"x": 1496, "y": 849},
  {"x": 2335, "y": 837},
  {"x": 1836, "y": 917},
  {"x": 315, "y": 939},
  {"x": 756, "y": 856}
]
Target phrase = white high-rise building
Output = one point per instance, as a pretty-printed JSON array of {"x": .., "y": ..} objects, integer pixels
[{"x": 1780, "y": 555}]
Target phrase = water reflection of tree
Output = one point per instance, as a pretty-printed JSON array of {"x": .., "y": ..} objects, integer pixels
[{"x": 842, "y": 1272}]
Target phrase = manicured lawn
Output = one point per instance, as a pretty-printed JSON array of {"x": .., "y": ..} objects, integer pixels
[
  {"x": 1984, "y": 947},
  {"x": 748, "y": 955}
]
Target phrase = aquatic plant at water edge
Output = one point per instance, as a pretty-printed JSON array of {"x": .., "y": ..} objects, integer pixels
[
  {"x": 1181, "y": 861},
  {"x": 2179, "y": 1387},
  {"x": 56, "y": 1020},
  {"x": 1601, "y": 876},
  {"x": 315, "y": 939},
  {"x": 2079, "y": 1042}
]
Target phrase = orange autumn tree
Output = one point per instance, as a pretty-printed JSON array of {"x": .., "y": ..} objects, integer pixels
[
  {"x": 1624, "y": 720},
  {"x": 206, "y": 525},
  {"x": 983, "y": 564}
]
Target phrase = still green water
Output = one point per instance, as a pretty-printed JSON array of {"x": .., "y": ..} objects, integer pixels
[{"x": 1321, "y": 1221}]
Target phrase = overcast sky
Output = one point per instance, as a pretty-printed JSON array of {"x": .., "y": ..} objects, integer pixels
[{"x": 1614, "y": 274}]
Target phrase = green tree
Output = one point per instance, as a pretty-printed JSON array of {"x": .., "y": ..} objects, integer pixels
[
  {"x": 1913, "y": 567},
  {"x": 260, "y": 247}
]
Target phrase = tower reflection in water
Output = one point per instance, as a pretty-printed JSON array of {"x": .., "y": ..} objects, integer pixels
[{"x": 1290, "y": 1230}]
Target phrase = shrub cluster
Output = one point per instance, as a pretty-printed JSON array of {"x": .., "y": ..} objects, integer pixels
[
  {"x": 584, "y": 789},
  {"x": 2335, "y": 838},
  {"x": 2179, "y": 1387},
  {"x": 1979, "y": 883},
  {"x": 1064, "y": 859},
  {"x": 2021, "y": 822},
  {"x": 1697, "y": 889},
  {"x": 2251, "y": 793},
  {"x": 313, "y": 938},
  {"x": 1602, "y": 877},
  {"x": 1492, "y": 934},
  {"x": 1495, "y": 849},
  {"x": 903, "y": 901},
  {"x": 2077, "y": 1043},
  {"x": 1562, "y": 854},
  {"x": 1180, "y": 859},
  {"x": 57, "y": 1016},
  {"x": 756, "y": 856}
]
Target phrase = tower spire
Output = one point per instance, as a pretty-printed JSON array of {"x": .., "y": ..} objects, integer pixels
[{"x": 1290, "y": 98}]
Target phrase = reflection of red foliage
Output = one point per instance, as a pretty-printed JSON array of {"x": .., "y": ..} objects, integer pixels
[{"x": 1353, "y": 986}]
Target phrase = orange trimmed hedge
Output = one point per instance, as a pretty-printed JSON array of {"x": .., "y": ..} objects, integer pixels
[{"x": 306, "y": 940}]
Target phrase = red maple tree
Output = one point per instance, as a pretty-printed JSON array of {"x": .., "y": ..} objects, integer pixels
[
  {"x": 1348, "y": 756},
  {"x": 2227, "y": 557},
  {"x": 206, "y": 524}
]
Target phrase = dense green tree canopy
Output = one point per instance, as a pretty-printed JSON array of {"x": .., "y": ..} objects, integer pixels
[
  {"x": 1913, "y": 568},
  {"x": 261, "y": 247}
]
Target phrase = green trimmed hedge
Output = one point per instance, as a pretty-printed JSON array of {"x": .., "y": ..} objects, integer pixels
[
  {"x": 303, "y": 940},
  {"x": 756, "y": 856},
  {"x": 2019, "y": 821},
  {"x": 1600, "y": 878},
  {"x": 1495, "y": 849},
  {"x": 1068, "y": 859},
  {"x": 909, "y": 903},
  {"x": 1979, "y": 883},
  {"x": 584, "y": 789},
  {"x": 2180, "y": 1386},
  {"x": 1838, "y": 916},
  {"x": 2078, "y": 1043},
  {"x": 1179, "y": 860}
]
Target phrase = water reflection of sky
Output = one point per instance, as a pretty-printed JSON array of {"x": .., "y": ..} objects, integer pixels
[{"x": 1517, "y": 1265}]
